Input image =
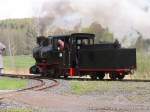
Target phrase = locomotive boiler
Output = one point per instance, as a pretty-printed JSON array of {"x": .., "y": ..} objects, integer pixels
[{"x": 78, "y": 55}]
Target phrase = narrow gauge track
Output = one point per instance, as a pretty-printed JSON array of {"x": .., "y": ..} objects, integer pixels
[{"x": 42, "y": 84}]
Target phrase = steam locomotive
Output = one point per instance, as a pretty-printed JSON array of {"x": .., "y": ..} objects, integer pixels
[{"x": 77, "y": 55}]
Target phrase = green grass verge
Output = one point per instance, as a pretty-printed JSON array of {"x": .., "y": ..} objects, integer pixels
[
  {"x": 82, "y": 87},
  {"x": 85, "y": 87},
  {"x": 21, "y": 62},
  {"x": 15, "y": 110},
  {"x": 11, "y": 83},
  {"x": 143, "y": 66}
]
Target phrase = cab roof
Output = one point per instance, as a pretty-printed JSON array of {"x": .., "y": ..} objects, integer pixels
[{"x": 75, "y": 35}]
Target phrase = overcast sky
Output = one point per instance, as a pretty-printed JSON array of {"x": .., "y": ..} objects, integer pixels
[{"x": 121, "y": 16}]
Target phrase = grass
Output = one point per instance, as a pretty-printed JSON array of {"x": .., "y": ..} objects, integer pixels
[
  {"x": 15, "y": 110},
  {"x": 11, "y": 84},
  {"x": 85, "y": 87},
  {"x": 21, "y": 62},
  {"x": 143, "y": 66}
]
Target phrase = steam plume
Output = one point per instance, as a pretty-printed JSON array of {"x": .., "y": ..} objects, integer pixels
[{"x": 120, "y": 16}]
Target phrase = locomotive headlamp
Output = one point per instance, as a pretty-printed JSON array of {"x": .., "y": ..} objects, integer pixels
[{"x": 60, "y": 54}]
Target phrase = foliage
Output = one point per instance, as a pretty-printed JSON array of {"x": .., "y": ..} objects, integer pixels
[
  {"x": 141, "y": 43},
  {"x": 102, "y": 34},
  {"x": 143, "y": 64},
  {"x": 18, "y": 35}
]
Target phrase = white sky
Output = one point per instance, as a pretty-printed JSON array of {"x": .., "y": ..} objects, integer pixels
[
  {"x": 15, "y": 9},
  {"x": 26, "y": 8},
  {"x": 19, "y": 8},
  {"x": 119, "y": 15}
]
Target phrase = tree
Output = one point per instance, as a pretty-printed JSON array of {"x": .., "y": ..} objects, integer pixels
[
  {"x": 139, "y": 44},
  {"x": 102, "y": 34},
  {"x": 18, "y": 35}
]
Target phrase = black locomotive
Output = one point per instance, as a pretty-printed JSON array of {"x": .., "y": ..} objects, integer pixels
[{"x": 78, "y": 55}]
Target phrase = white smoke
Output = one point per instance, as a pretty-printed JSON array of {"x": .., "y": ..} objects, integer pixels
[{"x": 122, "y": 17}]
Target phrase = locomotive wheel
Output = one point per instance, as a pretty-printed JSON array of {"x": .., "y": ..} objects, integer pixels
[
  {"x": 56, "y": 73},
  {"x": 56, "y": 76},
  {"x": 101, "y": 76},
  {"x": 45, "y": 74},
  {"x": 113, "y": 76},
  {"x": 93, "y": 77},
  {"x": 121, "y": 77},
  {"x": 65, "y": 74},
  {"x": 34, "y": 70}
]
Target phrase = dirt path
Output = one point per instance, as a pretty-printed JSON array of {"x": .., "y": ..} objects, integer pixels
[{"x": 73, "y": 103}]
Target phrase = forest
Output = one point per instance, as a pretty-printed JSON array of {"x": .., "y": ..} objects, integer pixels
[{"x": 19, "y": 35}]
